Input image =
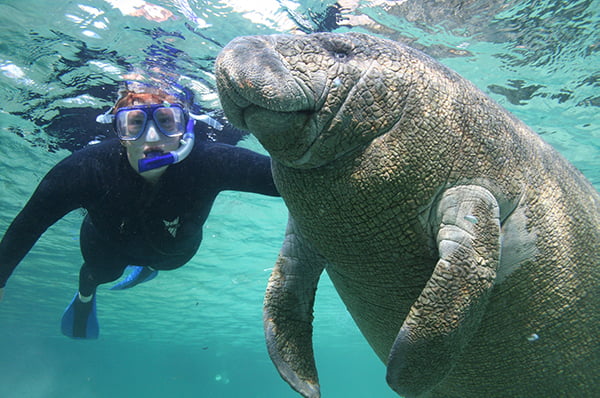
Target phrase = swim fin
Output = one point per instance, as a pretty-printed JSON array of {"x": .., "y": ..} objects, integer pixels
[
  {"x": 79, "y": 320},
  {"x": 138, "y": 275}
]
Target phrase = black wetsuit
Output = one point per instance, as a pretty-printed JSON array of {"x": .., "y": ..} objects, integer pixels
[{"x": 130, "y": 221}]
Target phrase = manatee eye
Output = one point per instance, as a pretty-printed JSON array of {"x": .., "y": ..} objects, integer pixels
[
  {"x": 340, "y": 56},
  {"x": 340, "y": 49},
  {"x": 342, "y": 53}
]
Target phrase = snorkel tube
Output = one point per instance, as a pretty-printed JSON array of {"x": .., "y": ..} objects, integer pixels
[
  {"x": 187, "y": 143},
  {"x": 176, "y": 156}
]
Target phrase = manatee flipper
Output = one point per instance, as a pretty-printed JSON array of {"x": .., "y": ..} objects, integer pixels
[
  {"x": 288, "y": 310},
  {"x": 446, "y": 314}
]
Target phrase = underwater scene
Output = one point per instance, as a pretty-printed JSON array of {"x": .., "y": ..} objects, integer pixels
[{"x": 197, "y": 331}]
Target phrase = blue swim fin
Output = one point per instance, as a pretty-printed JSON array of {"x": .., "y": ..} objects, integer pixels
[
  {"x": 79, "y": 319},
  {"x": 138, "y": 275}
]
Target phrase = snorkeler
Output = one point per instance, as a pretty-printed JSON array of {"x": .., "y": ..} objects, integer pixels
[{"x": 147, "y": 195}]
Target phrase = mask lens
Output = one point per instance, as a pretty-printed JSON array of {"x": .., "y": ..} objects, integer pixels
[
  {"x": 169, "y": 120},
  {"x": 130, "y": 123}
]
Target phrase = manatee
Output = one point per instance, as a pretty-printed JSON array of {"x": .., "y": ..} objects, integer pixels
[{"x": 465, "y": 248}]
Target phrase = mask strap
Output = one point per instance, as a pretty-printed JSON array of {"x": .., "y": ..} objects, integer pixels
[
  {"x": 106, "y": 117},
  {"x": 207, "y": 120}
]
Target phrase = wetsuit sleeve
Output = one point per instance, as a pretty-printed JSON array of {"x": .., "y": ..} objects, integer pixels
[
  {"x": 55, "y": 196},
  {"x": 248, "y": 171}
]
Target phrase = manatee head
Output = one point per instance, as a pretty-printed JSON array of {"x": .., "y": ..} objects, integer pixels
[{"x": 311, "y": 99}]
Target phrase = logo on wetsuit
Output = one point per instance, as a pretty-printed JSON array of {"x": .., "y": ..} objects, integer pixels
[{"x": 172, "y": 226}]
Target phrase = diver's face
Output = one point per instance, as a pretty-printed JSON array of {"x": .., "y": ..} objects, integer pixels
[{"x": 152, "y": 143}]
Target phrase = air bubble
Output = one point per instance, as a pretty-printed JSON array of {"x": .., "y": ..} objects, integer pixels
[
  {"x": 471, "y": 219},
  {"x": 532, "y": 337}
]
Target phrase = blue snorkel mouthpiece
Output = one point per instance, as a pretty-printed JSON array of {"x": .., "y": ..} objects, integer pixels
[{"x": 176, "y": 156}]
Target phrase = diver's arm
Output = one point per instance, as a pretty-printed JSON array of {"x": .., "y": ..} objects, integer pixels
[
  {"x": 55, "y": 196},
  {"x": 248, "y": 171}
]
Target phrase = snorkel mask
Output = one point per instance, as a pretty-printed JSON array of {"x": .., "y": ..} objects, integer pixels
[{"x": 130, "y": 124}]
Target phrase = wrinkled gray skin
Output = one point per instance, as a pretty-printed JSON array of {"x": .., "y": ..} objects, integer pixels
[{"x": 465, "y": 248}]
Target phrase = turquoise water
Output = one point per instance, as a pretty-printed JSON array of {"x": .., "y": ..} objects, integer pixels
[{"x": 197, "y": 331}]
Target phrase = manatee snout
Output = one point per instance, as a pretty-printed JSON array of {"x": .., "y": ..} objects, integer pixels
[
  {"x": 253, "y": 68},
  {"x": 261, "y": 94}
]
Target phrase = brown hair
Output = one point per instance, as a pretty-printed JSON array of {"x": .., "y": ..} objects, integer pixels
[{"x": 130, "y": 98}]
